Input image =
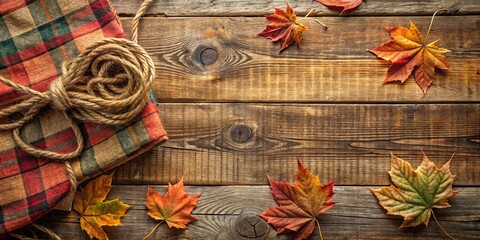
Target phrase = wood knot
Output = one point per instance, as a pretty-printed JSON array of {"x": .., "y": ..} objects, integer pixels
[
  {"x": 208, "y": 56},
  {"x": 251, "y": 226},
  {"x": 241, "y": 133},
  {"x": 205, "y": 55}
]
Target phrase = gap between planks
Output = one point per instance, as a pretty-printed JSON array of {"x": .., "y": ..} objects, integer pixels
[{"x": 244, "y": 8}]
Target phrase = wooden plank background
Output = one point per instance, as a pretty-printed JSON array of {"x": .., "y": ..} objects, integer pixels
[
  {"x": 221, "y": 210},
  {"x": 247, "y": 111},
  {"x": 352, "y": 139},
  {"x": 332, "y": 66}
]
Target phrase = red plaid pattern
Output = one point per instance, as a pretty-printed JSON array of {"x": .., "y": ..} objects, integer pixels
[{"x": 35, "y": 38}]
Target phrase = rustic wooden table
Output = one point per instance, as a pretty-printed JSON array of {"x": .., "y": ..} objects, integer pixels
[{"x": 236, "y": 111}]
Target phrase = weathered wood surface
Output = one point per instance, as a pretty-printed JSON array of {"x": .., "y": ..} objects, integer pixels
[
  {"x": 258, "y": 8},
  {"x": 237, "y": 110},
  {"x": 240, "y": 143},
  {"x": 332, "y": 66},
  {"x": 221, "y": 209}
]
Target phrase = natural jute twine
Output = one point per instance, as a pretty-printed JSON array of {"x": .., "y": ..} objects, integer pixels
[
  {"x": 108, "y": 83},
  {"x": 40, "y": 228}
]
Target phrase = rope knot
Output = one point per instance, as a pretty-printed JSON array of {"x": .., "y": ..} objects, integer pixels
[
  {"x": 58, "y": 95},
  {"x": 108, "y": 83}
]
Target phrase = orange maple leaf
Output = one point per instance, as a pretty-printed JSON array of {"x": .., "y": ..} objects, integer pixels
[
  {"x": 94, "y": 211},
  {"x": 284, "y": 28},
  {"x": 408, "y": 52},
  {"x": 345, "y": 4},
  {"x": 300, "y": 204},
  {"x": 416, "y": 192},
  {"x": 174, "y": 207}
]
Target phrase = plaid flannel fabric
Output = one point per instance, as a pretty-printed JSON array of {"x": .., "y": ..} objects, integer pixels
[{"x": 35, "y": 38}]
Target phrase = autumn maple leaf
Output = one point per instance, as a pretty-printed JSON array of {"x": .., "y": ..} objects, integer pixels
[
  {"x": 300, "y": 204},
  {"x": 174, "y": 207},
  {"x": 408, "y": 51},
  {"x": 416, "y": 192},
  {"x": 94, "y": 211},
  {"x": 284, "y": 27},
  {"x": 345, "y": 4}
]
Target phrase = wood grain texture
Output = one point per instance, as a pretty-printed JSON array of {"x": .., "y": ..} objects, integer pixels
[
  {"x": 260, "y": 8},
  {"x": 346, "y": 142},
  {"x": 357, "y": 215},
  {"x": 236, "y": 111},
  {"x": 332, "y": 66}
]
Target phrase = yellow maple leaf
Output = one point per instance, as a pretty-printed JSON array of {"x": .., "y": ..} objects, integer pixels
[{"x": 95, "y": 211}]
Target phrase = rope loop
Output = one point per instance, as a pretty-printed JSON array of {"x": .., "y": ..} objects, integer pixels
[{"x": 108, "y": 83}]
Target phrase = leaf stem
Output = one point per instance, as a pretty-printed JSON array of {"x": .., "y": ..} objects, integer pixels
[
  {"x": 444, "y": 231},
  {"x": 319, "y": 229},
  {"x": 431, "y": 22},
  {"x": 153, "y": 230},
  {"x": 309, "y": 12},
  {"x": 453, "y": 154},
  {"x": 307, "y": 18}
]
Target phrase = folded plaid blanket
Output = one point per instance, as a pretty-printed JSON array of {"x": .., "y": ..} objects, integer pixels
[{"x": 35, "y": 38}]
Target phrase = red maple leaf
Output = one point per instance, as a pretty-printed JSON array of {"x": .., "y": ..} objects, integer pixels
[
  {"x": 345, "y": 4},
  {"x": 300, "y": 204},
  {"x": 284, "y": 28}
]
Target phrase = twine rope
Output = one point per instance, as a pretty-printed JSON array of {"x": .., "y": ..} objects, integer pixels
[
  {"x": 108, "y": 83},
  {"x": 40, "y": 228},
  {"x": 90, "y": 91}
]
